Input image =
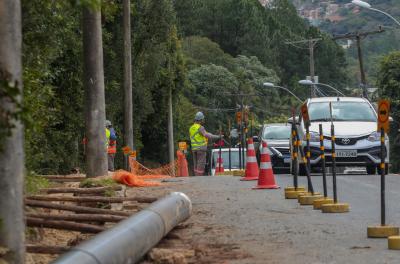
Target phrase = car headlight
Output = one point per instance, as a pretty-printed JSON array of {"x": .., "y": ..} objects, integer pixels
[
  {"x": 376, "y": 136},
  {"x": 314, "y": 137}
]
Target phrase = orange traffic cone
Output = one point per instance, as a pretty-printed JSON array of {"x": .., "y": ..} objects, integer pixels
[
  {"x": 183, "y": 170},
  {"x": 266, "y": 180},
  {"x": 251, "y": 163},
  {"x": 220, "y": 166}
]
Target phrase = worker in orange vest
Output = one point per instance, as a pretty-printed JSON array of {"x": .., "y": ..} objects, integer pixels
[{"x": 111, "y": 145}]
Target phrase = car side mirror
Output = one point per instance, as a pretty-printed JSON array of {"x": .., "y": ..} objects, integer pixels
[{"x": 256, "y": 139}]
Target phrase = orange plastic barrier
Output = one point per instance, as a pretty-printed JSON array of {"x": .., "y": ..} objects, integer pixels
[{"x": 183, "y": 170}]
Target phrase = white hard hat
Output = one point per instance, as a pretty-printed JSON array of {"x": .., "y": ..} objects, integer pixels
[
  {"x": 108, "y": 123},
  {"x": 199, "y": 116}
]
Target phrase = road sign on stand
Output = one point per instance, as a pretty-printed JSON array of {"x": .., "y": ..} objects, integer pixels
[
  {"x": 304, "y": 113},
  {"x": 383, "y": 115}
]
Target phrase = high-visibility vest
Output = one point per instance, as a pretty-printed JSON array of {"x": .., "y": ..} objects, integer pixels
[
  {"x": 197, "y": 140},
  {"x": 112, "y": 147},
  {"x": 108, "y": 134}
]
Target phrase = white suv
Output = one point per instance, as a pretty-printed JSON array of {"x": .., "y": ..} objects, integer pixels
[{"x": 355, "y": 121}]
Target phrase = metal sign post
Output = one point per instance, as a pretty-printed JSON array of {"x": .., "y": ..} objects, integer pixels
[{"x": 383, "y": 230}]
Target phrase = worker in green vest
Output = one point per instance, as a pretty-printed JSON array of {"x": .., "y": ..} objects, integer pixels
[{"x": 199, "y": 139}]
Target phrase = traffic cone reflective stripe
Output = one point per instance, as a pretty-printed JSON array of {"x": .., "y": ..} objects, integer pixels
[
  {"x": 252, "y": 170},
  {"x": 265, "y": 165},
  {"x": 266, "y": 179}
]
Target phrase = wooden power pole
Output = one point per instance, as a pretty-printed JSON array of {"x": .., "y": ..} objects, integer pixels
[
  {"x": 311, "y": 46},
  {"x": 12, "y": 222},
  {"x": 358, "y": 36}
]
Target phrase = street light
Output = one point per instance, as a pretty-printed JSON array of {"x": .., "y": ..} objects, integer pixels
[
  {"x": 368, "y": 6},
  {"x": 309, "y": 82},
  {"x": 268, "y": 84}
]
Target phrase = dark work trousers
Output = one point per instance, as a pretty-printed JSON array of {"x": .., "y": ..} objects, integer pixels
[
  {"x": 199, "y": 162},
  {"x": 110, "y": 159}
]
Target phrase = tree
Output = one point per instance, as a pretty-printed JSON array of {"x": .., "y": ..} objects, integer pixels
[
  {"x": 12, "y": 224},
  {"x": 96, "y": 156},
  {"x": 128, "y": 104},
  {"x": 389, "y": 87}
]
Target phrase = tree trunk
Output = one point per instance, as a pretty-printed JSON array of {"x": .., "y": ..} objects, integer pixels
[
  {"x": 96, "y": 155},
  {"x": 64, "y": 225},
  {"x": 74, "y": 208},
  {"x": 128, "y": 101},
  {"x": 79, "y": 217},
  {"x": 98, "y": 199},
  {"x": 93, "y": 190},
  {"x": 171, "y": 132},
  {"x": 51, "y": 250},
  {"x": 12, "y": 225}
]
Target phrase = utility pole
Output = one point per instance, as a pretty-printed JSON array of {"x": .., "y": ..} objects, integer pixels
[
  {"x": 128, "y": 101},
  {"x": 358, "y": 36},
  {"x": 311, "y": 46}
]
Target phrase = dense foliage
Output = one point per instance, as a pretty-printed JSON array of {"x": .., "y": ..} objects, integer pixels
[
  {"x": 389, "y": 88},
  {"x": 206, "y": 51}
]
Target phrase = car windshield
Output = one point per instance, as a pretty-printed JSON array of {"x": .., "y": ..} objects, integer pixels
[
  {"x": 341, "y": 111},
  {"x": 276, "y": 132},
  {"x": 225, "y": 158}
]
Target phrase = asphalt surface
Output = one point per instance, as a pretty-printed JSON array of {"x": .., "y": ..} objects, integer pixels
[{"x": 271, "y": 229}]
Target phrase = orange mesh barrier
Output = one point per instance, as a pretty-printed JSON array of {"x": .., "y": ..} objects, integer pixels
[
  {"x": 165, "y": 171},
  {"x": 139, "y": 174}
]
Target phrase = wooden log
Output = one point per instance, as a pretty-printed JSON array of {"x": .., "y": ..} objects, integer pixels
[
  {"x": 67, "y": 178},
  {"x": 78, "y": 217},
  {"x": 63, "y": 225},
  {"x": 50, "y": 250},
  {"x": 73, "y": 208},
  {"x": 81, "y": 190},
  {"x": 100, "y": 199}
]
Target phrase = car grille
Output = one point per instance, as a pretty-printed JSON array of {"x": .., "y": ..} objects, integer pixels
[
  {"x": 343, "y": 141},
  {"x": 284, "y": 151}
]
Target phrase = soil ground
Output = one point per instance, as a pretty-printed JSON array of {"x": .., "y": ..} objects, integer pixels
[{"x": 232, "y": 223}]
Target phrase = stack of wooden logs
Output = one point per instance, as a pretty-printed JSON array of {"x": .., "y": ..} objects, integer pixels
[{"x": 84, "y": 218}]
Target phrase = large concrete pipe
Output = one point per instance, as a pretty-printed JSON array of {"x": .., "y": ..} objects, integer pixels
[{"x": 129, "y": 241}]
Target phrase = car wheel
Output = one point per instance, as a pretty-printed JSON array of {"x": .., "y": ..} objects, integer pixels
[
  {"x": 386, "y": 169},
  {"x": 371, "y": 170}
]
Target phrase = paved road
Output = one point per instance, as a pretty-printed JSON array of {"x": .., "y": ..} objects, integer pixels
[{"x": 274, "y": 230}]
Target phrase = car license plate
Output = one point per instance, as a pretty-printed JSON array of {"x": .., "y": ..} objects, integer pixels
[
  {"x": 346, "y": 153},
  {"x": 287, "y": 160}
]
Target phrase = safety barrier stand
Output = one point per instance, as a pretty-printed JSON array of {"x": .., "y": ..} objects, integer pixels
[
  {"x": 293, "y": 191},
  {"x": 335, "y": 207},
  {"x": 384, "y": 231},
  {"x": 325, "y": 200}
]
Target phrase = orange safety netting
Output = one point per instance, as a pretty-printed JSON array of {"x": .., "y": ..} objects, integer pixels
[
  {"x": 139, "y": 174},
  {"x": 162, "y": 172}
]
